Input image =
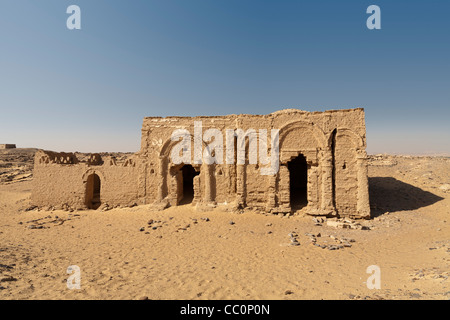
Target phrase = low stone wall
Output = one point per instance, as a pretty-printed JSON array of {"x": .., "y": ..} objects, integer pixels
[{"x": 7, "y": 146}]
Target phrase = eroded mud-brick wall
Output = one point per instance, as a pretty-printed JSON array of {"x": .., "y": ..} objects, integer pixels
[
  {"x": 60, "y": 179},
  {"x": 321, "y": 167},
  {"x": 7, "y": 146},
  {"x": 331, "y": 146}
]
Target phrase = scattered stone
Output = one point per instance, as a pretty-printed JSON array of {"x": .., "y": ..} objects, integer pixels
[
  {"x": 142, "y": 229},
  {"x": 4, "y": 266},
  {"x": 341, "y": 243},
  {"x": 313, "y": 234},
  {"x": 8, "y": 279},
  {"x": 346, "y": 224},
  {"x": 183, "y": 228},
  {"x": 334, "y": 223},
  {"x": 293, "y": 237},
  {"x": 294, "y": 242},
  {"x": 33, "y": 226},
  {"x": 318, "y": 220},
  {"x": 31, "y": 208},
  {"x": 231, "y": 222},
  {"x": 346, "y": 244},
  {"x": 287, "y": 292},
  {"x": 445, "y": 187}
]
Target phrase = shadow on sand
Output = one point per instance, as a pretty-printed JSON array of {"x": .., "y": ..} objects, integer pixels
[{"x": 388, "y": 194}]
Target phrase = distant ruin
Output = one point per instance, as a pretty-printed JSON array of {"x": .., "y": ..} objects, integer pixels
[
  {"x": 7, "y": 146},
  {"x": 322, "y": 169}
]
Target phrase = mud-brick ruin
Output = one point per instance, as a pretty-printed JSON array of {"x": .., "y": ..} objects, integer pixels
[
  {"x": 322, "y": 169},
  {"x": 7, "y": 146}
]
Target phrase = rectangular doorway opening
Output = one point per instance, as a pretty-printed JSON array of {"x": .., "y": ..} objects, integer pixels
[
  {"x": 298, "y": 177},
  {"x": 188, "y": 173}
]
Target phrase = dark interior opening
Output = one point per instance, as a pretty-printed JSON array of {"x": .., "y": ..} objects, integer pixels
[
  {"x": 93, "y": 188},
  {"x": 188, "y": 183},
  {"x": 298, "y": 175},
  {"x": 333, "y": 155}
]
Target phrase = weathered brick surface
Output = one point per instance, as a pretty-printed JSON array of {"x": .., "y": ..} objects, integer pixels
[{"x": 332, "y": 143}]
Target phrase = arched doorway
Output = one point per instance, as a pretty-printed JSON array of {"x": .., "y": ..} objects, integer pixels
[
  {"x": 188, "y": 173},
  {"x": 298, "y": 177},
  {"x": 93, "y": 187}
]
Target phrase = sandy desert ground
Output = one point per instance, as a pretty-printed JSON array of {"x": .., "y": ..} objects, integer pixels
[{"x": 134, "y": 253}]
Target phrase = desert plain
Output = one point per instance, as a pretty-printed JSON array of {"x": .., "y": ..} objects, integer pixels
[{"x": 179, "y": 253}]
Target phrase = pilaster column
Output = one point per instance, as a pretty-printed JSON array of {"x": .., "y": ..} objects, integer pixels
[
  {"x": 312, "y": 187},
  {"x": 142, "y": 180},
  {"x": 363, "y": 203},
  {"x": 162, "y": 179},
  {"x": 326, "y": 164},
  {"x": 240, "y": 184},
  {"x": 197, "y": 190},
  {"x": 284, "y": 194},
  {"x": 207, "y": 173},
  {"x": 271, "y": 192},
  {"x": 173, "y": 193}
]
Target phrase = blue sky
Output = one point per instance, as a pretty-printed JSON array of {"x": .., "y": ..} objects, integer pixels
[{"x": 88, "y": 90}]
